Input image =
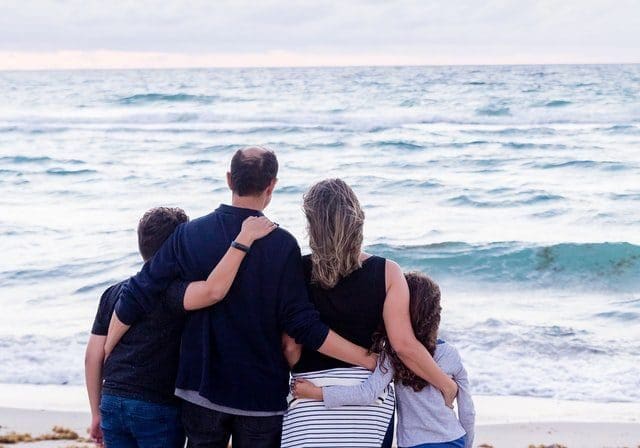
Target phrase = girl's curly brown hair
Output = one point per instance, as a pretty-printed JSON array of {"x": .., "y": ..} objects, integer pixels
[{"x": 424, "y": 307}]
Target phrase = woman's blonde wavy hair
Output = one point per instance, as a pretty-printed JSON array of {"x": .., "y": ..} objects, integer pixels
[{"x": 335, "y": 220}]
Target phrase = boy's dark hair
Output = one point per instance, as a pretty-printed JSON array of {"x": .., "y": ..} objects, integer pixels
[
  {"x": 252, "y": 173},
  {"x": 155, "y": 226},
  {"x": 424, "y": 307}
]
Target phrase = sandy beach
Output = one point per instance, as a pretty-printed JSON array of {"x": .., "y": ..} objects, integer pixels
[{"x": 503, "y": 422}]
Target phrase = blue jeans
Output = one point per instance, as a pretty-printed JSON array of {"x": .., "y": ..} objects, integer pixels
[
  {"x": 128, "y": 423},
  {"x": 458, "y": 443}
]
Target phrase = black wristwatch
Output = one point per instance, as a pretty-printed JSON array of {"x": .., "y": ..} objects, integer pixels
[{"x": 240, "y": 246}]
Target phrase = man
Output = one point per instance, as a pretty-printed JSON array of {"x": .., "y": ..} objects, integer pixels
[
  {"x": 233, "y": 378},
  {"x": 136, "y": 406}
]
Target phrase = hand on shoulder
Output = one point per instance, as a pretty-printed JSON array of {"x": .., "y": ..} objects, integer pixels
[{"x": 255, "y": 228}]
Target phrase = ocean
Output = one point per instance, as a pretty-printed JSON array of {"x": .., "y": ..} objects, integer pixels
[{"x": 517, "y": 188}]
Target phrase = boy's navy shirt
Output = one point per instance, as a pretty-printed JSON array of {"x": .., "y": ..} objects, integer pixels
[
  {"x": 144, "y": 365},
  {"x": 231, "y": 352}
]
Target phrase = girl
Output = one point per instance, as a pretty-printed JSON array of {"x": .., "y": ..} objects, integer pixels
[{"x": 424, "y": 420}]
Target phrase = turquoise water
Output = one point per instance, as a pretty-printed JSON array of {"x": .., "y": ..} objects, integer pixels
[{"x": 515, "y": 187}]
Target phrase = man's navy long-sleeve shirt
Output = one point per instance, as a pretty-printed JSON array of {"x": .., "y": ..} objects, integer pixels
[{"x": 231, "y": 352}]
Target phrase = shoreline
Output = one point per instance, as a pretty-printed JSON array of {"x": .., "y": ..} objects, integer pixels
[
  {"x": 490, "y": 409},
  {"x": 501, "y": 422}
]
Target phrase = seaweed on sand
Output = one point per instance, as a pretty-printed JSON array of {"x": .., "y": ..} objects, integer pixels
[
  {"x": 57, "y": 433},
  {"x": 553, "y": 445}
]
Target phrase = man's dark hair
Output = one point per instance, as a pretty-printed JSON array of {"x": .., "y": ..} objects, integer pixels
[
  {"x": 155, "y": 226},
  {"x": 252, "y": 173}
]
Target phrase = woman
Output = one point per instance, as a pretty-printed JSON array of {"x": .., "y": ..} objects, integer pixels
[{"x": 355, "y": 293}]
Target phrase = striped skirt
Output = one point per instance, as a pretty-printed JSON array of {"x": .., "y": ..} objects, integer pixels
[{"x": 308, "y": 423}]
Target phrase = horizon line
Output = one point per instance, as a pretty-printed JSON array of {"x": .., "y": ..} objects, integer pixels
[
  {"x": 373, "y": 65},
  {"x": 72, "y": 60}
]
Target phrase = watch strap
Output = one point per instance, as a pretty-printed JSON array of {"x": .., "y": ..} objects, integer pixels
[{"x": 240, "y": 246}]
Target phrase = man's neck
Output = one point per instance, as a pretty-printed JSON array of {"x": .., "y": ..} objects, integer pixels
[{"x": 250, "y": 202}]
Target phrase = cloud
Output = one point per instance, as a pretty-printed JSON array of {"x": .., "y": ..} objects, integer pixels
[{"x": 412, "y": 30}]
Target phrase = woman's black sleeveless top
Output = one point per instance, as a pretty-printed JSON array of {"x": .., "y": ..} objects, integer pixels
[{"x": 352, "y": 308}]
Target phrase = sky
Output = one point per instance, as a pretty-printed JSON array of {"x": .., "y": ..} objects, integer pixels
[{"x": 37, "y": 34}]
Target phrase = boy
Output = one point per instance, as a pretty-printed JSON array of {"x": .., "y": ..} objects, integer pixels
[
  {"x": 135, "y": 406},
  {"x": 138, "y": 408}
]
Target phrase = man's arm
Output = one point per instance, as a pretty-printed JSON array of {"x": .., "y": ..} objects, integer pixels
[
  {"x": 93, "y": 361},
  {"x": 411, "y": 352},
  {"x": 302, "y": 322}
]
